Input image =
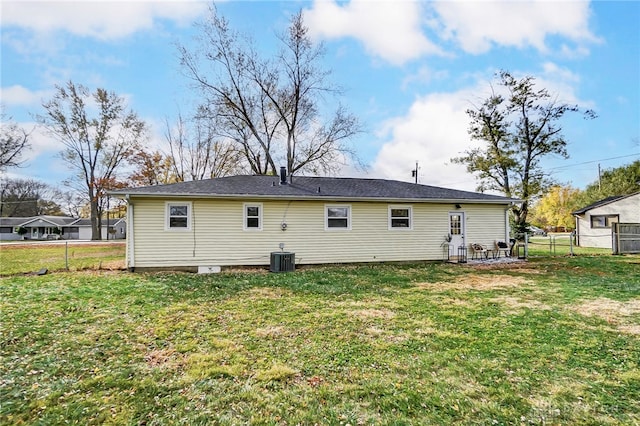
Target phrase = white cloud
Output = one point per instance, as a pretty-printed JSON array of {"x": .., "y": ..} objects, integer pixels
[
  {"x": 395, "y": 30},
  {"x": 41, "y": 156},
  {"x": 105, "y": 20},
  {"x": 432, "y": 132},
  {"x": 17, "y": 95},
  {"x": 478, "y": 25},
  {"x": 390, "y": 30}
]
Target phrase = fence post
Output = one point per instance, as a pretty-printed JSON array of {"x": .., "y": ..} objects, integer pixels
[
  {"x": 66, "y": 255},
  {"x": 571, "y": 243},
  {"x": 526, "y": 245}
]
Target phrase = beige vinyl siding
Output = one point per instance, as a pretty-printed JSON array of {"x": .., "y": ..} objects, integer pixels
[
  {"x": 485, "y": 224},
  {"x": 217, "y": 236}
]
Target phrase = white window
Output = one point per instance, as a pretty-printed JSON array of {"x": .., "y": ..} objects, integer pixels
[
  {"x": 252, "y": 217},
  {"x": 337, "y": 217},
  {"x": 400, "y": 217},
  {"x": 178, "y": 216}
]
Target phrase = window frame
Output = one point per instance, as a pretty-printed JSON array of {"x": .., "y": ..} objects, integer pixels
[
  {"x": 607, "y": 220},
  {"x": 167, "y": 214},
  {"x": 327, "y": 218},
  {"x": 390, "y": 219},
  {"x": 245, "y": 216}
]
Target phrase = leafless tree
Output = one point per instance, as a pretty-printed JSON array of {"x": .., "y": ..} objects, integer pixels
[
  {"x": 95, "y": 146},
  {"x": 271, "y": 108},
  {"x": 196, "y": 152},
  {"x": 13, "y": 141}
]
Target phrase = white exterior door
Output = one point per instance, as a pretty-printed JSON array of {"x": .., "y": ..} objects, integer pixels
[
  {"x": 34, "y": 233},
  {"x": 456, "y": 230}
]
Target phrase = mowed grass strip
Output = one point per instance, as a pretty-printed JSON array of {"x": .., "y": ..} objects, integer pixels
[
  {"x": 551, "y": 341},
  {"x": 29, "y": 258}
]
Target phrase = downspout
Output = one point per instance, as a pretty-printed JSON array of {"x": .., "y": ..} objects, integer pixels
[
  {"x": 130, "y": 254},
  {"x": 506, "y": 225}
]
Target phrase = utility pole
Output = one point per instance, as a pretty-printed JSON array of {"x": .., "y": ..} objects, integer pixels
[
  {"x": 599, "y": 178},
  {"x": 414, "y": 173}
]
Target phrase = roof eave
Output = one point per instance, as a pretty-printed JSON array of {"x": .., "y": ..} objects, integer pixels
[
  {"x": 506, "y": 201},
  {"x": 39, "y": 218}
]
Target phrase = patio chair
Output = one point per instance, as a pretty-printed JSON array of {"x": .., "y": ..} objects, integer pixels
[
  {"x": 479, "y": 251},
  {"x": 502, "y": 246}
]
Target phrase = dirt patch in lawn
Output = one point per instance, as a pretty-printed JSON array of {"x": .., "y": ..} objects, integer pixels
[
  {"x": 267, "y": 293},
  {"x": 373, "y": 313},
  {"x": 164, "y": 358},
  {"x": 272, "y": 331},
  {"x": 516, "y": 305},
  {"x": 111, "y": 265},
  {"x": 478, "y": 282},
  {"x": 614, "y": 312}
]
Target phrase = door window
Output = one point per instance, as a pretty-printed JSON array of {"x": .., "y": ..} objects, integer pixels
[{"x": 455, "y": 224}]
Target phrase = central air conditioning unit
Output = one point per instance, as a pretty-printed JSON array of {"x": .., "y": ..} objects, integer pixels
[{"x": 282, "y": 261}]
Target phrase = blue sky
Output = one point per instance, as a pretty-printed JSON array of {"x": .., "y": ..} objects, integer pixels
[{"x": 409, "y": 70}]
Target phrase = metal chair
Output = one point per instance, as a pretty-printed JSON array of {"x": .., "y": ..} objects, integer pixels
[{"x": 502, "y": 246}]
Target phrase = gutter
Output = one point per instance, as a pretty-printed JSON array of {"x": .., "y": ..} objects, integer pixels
[{"x": 509, "y": 201}]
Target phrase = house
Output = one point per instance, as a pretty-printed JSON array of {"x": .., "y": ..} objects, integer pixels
[
  {"x": 57, "y": 227},
  {"x": 240, "y": 220},
  {"x": 593, "y": 222},
  {"x": 112, "y": 229}
]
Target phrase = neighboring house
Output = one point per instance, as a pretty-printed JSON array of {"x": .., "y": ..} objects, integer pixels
[
  {"x": 117, "y": 229},
  {"x": 593, "y": 222},
  {"x": 240, "y": 220},
  {"x": 57, "y": 227}
]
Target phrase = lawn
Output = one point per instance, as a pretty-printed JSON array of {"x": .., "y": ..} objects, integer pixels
[
  {"x": 549, "y": 341},
  {"x": 22, "y": 258}
]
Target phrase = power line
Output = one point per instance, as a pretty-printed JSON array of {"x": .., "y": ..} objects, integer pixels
[{"x": 592, "y": 161}]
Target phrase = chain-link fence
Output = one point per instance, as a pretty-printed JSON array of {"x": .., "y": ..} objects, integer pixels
[
  {"x": 18, "y": 258},
  {"x": 564, "y": 244}
]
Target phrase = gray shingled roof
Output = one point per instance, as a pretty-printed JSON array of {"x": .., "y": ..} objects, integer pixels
[
  {"x": 303, "y": 187},
  {"x": 602, "y": 202},
  {"x": 53, "y": 220},
  {"x": 13, "y": 221}
]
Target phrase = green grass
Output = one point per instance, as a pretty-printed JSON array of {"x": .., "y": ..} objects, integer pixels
[
  {"x": 28, "y": 258},
  {"x": 559, "y": 245},
  {"x": 552, "y": 341}
]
